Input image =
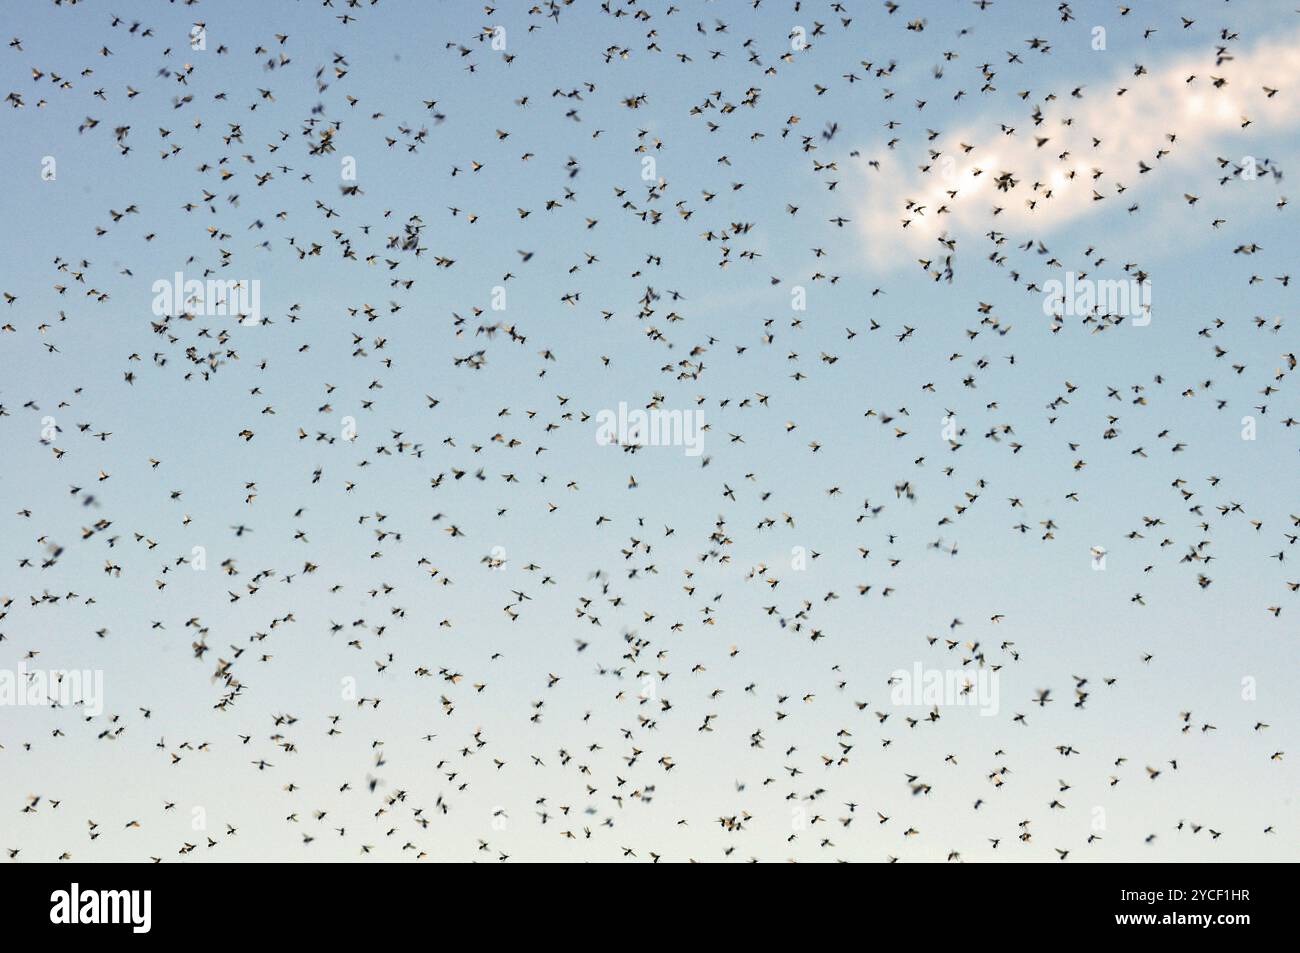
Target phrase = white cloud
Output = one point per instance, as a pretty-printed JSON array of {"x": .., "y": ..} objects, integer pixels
[{"x": 1058, "y": 176}]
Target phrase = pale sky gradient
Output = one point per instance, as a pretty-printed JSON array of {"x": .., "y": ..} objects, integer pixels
[{"x": 320, "y": 359}]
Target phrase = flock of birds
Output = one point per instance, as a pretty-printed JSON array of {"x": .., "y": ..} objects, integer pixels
[{"x": 360, "y": 579}]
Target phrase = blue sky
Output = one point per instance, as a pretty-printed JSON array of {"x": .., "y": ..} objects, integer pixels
[{"x": 735, "y": 329}]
